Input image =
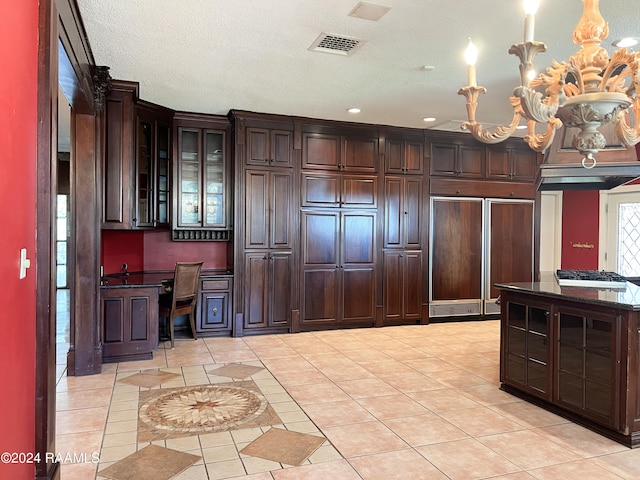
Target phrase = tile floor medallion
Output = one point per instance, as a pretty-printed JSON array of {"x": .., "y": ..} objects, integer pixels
[
  {"x": 182, "y": 411},
  {"x": 152, "y": 462},
  {"x": 283, "y": 446}
]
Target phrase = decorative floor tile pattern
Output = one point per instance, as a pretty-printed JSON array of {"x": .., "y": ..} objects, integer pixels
[
  {"x": 149, "y": 378},
  {"x": 152, "y": 462},
  {"x": 178, "y": 412},
  {"x": 330, "y": 377},
  {"x": 283, "y": 446},
  {"x": 235, "y": 370}
]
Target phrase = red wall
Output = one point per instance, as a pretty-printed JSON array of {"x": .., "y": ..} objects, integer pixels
[
  {"x": 580, "y": 226},
  {"x": 154, "y": 250},
  {"x": 18, "y": 142}
]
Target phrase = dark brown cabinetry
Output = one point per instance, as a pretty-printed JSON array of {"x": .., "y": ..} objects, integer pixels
[
  {"x": 201, "y": 172},
  {"x": 348, "y": 153},
  {"x": 129, "y": 323},
  {"x": 136, "y": 163},
  {"x": 338, "y": 267},
  {"x": 267, "y": 192},
  {"x": 269, "y": 147},
  {"x": 403, "y": 213},
  {"x": 511, "y": 164},
  {"x": 457, "y": 160},
  {"x": 404, "y": 156},
  {"x": 267, "y": 292},
  {"x": 575, "y": 354},
  {"x": 339, "y": 190},
  {"x": 214, "y": 313},
  {"x": 527, "y": 346},
  {"x": 476, "y": 243},
  {"x": 402, "y": 285}
]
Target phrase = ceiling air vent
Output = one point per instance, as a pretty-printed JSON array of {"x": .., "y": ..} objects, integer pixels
[{"x": 337, "y": 44}]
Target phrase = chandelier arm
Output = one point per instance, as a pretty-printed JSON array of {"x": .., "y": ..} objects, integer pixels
[
  {"x": 497, "y": 134},
  {"x": 533, "y": 105},
  {"x": 540, "y": 141},
  {"x": 627, "y": 134}
]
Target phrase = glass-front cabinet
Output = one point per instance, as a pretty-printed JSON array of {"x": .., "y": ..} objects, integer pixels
[
  {"x": 202, "y": 179},
  {"x": 152, "y": 170}
]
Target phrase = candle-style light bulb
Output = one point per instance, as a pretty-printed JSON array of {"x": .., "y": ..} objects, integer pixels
[
  {"x": 471, "y": 55},
  {"x": 530, "y": 9}
]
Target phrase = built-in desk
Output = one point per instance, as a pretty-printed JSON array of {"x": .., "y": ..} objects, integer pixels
[
  {"x": 129, "y": 310},
  {"x": 574, "y": 351}
]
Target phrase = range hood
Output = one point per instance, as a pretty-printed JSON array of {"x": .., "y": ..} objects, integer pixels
[{"x": 562, "y": 165}]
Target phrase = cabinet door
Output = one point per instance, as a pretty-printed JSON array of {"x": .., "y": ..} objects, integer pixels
[
  {"x": 214, "y": 310},
  {"x": 320, "y": 258},
  {"x": 214, "y": 188},
  {"x": 118, "y": 195},
  {"x": 510, "y": 243},
  {"x": 528, "y": 347},
  {"x": 587, "y": 371},
  {"x": 280, "y": 211},
  {"x": 412, "y": 284},
  {"x": 256, "y": 209},
  {"x": 499, "y": 163},
  {"x": 189, "y": 177},
  {"x": 129, "y": 322},
  {"x": 145, "y": 171},
  {"x": 256, "y": 288},
  {"x": 163, "y": 147},
  {"x": 525, "y": 166},
  {"x": 412, "y": 213},
  {"x": 414, "y": 158},
  {"x": 456, "y": 233},
  {"x": 393, "y": 212},
  {"x": 214, "y": 317},
  {"x": 358, "y": 241},
  {"x": 471, "y": 161},
  {"x": 320, "y": 151},
  {"x": 359, "y": 191},
  {"x": 402, "y": 286},
  {"x": 320, "y": 190},
  {"x": 394, "y": 157},
  {"x": 269, "y": 147},
  {"x": 393, "y": 286},
  {"x": 443, "y": 160},
  {"x": 359, "y": 154},
  {"x": 280, "y": 278}
]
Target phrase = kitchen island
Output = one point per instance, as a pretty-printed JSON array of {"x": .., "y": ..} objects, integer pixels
[{"x": 573, "y": 350}]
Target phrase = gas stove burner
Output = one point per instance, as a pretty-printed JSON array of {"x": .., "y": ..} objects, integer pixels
[{"x": 590, "y": 278}]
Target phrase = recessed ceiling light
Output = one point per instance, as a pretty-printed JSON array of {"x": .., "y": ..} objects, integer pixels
[
  {"x": 354, "y": 110},
  {"x": 429, "y": 119},
  {"x": 626, "y": 42},
  {"x": 521, "y": 127}
]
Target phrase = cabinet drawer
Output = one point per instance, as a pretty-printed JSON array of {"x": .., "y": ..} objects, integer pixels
[{"x": 215, "y": 284}]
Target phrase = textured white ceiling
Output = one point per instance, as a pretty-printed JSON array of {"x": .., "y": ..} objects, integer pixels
[{"x": 211, "y": 56}]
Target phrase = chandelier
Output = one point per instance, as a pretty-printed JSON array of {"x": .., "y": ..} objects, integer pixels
[{"x": 588, "y": 91}]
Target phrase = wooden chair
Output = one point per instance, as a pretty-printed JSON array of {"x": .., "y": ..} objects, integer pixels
[{"x": 184, "y": 296}]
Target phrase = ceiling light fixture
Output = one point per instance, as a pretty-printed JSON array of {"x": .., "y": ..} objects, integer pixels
[
  {"x": 353, "y": 110},
  {"x": 429, "y": 119},
  {"x": 588, "y": 91}
]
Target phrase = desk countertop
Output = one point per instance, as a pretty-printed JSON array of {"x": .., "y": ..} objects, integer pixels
[
  {"x": 627, "y": 297},
  {"x": 151, "y": 278}
]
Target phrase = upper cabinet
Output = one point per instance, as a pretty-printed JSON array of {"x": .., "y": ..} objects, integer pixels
[
  {"x": 404, "y": 154},
  {"x": 137, "y": 161},
  {"x": 269, "y": 147},
  {"x": 457, "y": 160},
  {"x": 357, "y": 153},
  {"x": 511, "y": 164},
  {"x": 201, "y": 171}
]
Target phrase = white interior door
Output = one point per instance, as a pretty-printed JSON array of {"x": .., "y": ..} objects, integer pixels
[{"x": 622, "y": 236}]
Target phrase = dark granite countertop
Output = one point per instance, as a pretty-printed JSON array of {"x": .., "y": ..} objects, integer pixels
[
  {"x": 627, "y": 297},
  {"x": 151, "y": 278}
]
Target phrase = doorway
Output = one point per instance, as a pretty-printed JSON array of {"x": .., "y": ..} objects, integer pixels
[{"x": 622, "y": 240}]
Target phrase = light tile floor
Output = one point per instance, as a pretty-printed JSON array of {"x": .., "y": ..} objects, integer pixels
[{"x": 409, "y": 402}]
